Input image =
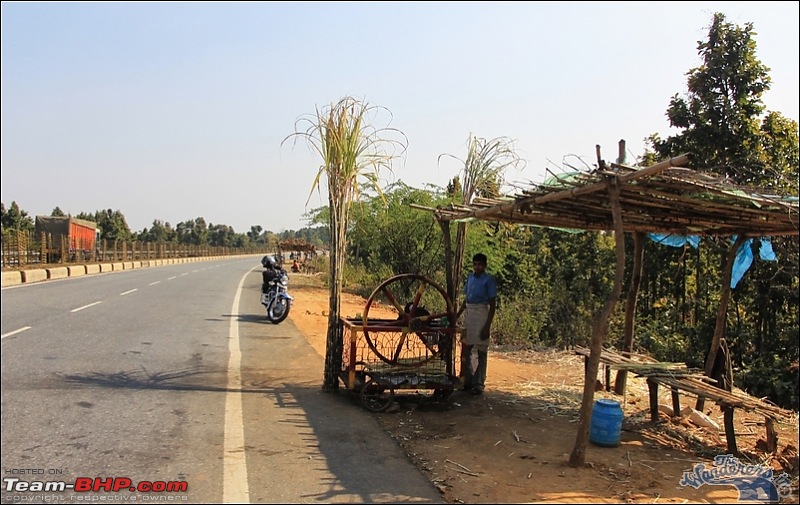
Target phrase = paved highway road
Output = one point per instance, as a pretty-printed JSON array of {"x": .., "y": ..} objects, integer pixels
[{"x": 172, "y": 376}]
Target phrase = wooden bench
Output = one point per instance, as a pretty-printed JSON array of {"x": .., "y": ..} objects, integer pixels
[{"x": 678, "y": 377}]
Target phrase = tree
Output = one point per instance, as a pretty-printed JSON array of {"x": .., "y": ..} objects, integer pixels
[
  {"x": 778, "y": 154},
  {"x": 221, "y": 235},
  {"x": 16, "y": 219},
  {"x": 719, "y": 116},
  {"x": 193, "y": 231},
  {"x": 255, "y": 234},
  {"x": 112, "y": 225},
  {"x": 388, "y": 237},
  {"x": 159, "y": 232},
  {"x": 353, "y": 153},
  {"x": 454, "y": 188},
  {"x": 481, "y": 175},
  {"x": 57, "y": 212}
]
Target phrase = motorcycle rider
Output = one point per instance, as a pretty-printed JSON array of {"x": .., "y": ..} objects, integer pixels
[
  {"x": 271, "y": 272},
  {"x": 273, "y": 290}
]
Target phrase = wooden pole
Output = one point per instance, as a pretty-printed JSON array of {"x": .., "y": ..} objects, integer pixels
[
  {"x": 730, "y": 430},
  {"x": 448, "y": 260},
  {"x": 64, "y": 249},
  {"x": 621, "y": 152},
  {"x": 600, "y": 329},
  {"x": 722, "y": 312},
  {"x": 676, "y": 402},
  {"x": 630, "y": 308},
  {"x": 772, "y": 435},
  {"x": 652, "y": 388}
]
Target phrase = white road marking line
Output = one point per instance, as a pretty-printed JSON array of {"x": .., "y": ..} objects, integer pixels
[
  {"x": 154, "y": 283},
  {"x": 20, "y": 330},
  {"x": 170, "y": 278},
  {"x": 85, "y": 306},
  {"x": 185, "y": 273},
  {"x": 193, "y": 271},
  {"x": 129, "y": 291},
  {"x": 234, "y": 460}
]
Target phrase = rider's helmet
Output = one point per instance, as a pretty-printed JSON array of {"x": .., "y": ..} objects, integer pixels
[{"x": 269, "y": 262}]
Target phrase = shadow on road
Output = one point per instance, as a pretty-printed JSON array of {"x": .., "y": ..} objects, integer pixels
[
  {"x": 187, "y": 379},
  {"x": 334, "y": 444}
]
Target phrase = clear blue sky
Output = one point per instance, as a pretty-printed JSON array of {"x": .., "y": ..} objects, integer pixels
[{"x": 174, "y": 111}]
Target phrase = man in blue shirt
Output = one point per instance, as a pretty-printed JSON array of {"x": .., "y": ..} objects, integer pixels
[{"x": 480, "y": 301}]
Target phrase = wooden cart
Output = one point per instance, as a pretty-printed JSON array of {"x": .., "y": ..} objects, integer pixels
[{"x": 415, "y": 350}]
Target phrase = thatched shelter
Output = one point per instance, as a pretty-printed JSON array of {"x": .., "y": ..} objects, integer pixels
[{"x": 665, "y": 198}]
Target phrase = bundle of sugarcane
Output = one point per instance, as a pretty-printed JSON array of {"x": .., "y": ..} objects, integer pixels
[{"x": 435, "y": 366}]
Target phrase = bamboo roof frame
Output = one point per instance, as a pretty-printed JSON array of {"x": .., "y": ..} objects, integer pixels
[{"x": 664, "y": 198}]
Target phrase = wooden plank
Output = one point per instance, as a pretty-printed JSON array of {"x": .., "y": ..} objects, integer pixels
[{"x": 722, "y": 397}]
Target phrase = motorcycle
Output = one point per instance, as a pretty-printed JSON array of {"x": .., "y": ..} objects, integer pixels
[{"x": 275, "y": 297}]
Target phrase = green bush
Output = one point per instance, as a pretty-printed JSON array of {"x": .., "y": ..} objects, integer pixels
[{"x": 774, "y": 377}]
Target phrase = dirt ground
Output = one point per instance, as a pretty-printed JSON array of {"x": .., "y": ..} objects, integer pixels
[{"x": 511, "y": 445}]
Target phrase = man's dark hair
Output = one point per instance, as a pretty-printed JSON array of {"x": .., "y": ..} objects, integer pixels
[{"x": 480, "y": 258}]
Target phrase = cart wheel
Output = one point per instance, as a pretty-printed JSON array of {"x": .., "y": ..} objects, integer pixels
[
  {"x": 375, "y": 396},
  {"x": 422, "y": 292},
  {"x": 441, "y": 394}
]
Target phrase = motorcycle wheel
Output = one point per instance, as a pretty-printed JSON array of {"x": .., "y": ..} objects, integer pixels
[{"x": 279, "y": 311}]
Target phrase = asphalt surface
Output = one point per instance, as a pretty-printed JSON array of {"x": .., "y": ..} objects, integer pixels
[{"x": 159, "y": 375}]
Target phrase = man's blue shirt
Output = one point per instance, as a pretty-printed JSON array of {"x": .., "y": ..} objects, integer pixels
[{"x": 480, "y": 288}]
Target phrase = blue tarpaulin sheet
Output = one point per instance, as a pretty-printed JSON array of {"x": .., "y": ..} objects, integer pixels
[
  {"x": 675, "y": 240},
  {"x": 744, "y": 256}
]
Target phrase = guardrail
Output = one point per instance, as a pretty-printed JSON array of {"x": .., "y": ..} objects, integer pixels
[
  {"x": 14, "y": 277},
  {"x": 21, "y": 249}
]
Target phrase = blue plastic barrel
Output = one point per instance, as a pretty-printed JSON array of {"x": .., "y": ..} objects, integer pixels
[{"x": 606, "y": 423}]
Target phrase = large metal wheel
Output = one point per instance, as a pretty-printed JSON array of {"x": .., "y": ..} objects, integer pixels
[
  {"x": 427, "y": 307},
  {"x": 375, "y": 396}
]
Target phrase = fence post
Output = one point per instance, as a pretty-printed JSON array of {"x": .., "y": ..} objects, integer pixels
[
  {"x": 25, "y": 256},
  {"x": 62, "y": 248}
]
